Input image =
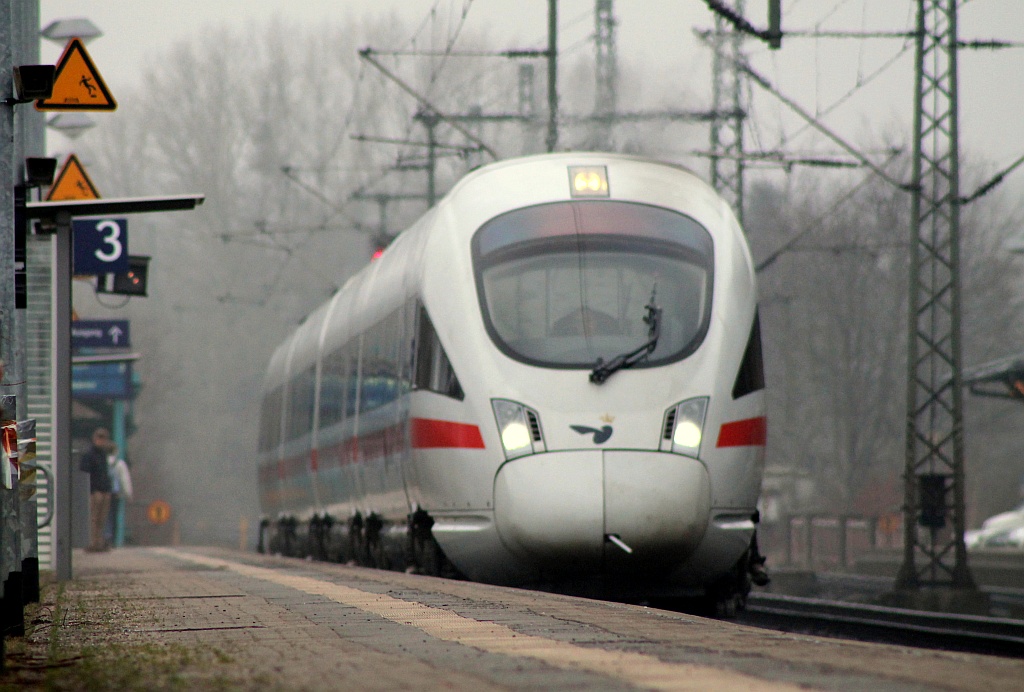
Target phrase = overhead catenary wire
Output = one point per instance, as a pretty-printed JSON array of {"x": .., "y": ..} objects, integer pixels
[
  {"x": 367, "y": 54},
  {"x": 988, "y": 186},
  {"x": 816, "y": 223},
  {"x": 861, "y": 83},
  {"x": 815, "y": 123}
]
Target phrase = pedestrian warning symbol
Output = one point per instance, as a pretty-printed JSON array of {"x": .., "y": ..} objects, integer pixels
[
  {"x": 159, "y": 512},
  {"x": 77, "y": 84},
  {"x": 72, "y": 183}
]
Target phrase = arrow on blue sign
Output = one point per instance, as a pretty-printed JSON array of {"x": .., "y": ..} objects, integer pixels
[{"x": 100, "y": 334}]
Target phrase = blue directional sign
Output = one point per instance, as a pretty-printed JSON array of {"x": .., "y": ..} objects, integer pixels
[
  {"x": 101, "y": 380},
  {"x": 101, "y": 245},
  {"x": 100, "y": 334}
]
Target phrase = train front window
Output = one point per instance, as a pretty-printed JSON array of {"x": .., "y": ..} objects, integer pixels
[{"x": 566, "y": 283}]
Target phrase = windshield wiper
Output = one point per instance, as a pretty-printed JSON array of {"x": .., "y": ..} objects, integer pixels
[{"x": 602, "y": 370}]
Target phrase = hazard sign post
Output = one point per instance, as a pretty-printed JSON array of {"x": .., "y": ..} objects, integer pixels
[
  {"x": 77, "y": 85},
  {"x": 72, "y": 182}
]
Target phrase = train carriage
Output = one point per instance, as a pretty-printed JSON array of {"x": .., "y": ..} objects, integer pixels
[{"x": 553, "y": 378}]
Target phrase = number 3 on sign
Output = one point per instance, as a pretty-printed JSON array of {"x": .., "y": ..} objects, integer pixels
[
  {"x": 101, "y": 245},
  {"x": 111, "y": 233}
]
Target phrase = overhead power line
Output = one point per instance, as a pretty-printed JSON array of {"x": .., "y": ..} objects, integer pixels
[
  {"x": 817, "y": 125},
  {"x": 512, "y": 53},
  {"x": 987, "y": 187},
  {"x": 367, "y": 55}
]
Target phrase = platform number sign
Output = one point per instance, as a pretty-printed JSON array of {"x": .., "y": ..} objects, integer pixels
[{"x": 101, "y": 245}]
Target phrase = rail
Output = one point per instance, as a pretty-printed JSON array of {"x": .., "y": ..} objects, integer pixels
[{"x": 949, "y": 632}]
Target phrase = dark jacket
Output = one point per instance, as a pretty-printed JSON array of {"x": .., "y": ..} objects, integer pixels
[{"x": 94, "y": 462}]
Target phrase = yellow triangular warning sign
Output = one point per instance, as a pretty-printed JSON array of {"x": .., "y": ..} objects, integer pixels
[
  {"x": 77, "y": 85},
  {"x": 72, "y": 183}
]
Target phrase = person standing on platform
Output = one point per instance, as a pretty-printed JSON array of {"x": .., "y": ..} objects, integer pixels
[
  {"x": 121, "y": 494},
  {"x": 94, "y": 462}
]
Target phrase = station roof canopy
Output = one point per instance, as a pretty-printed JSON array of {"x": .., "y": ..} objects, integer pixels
[
  {"x": 102, "y": 207},
  {"x": 1002, "y": 378}
]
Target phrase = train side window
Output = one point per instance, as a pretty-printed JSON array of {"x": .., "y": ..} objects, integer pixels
[
  {"x": 379, "y": 381},
  {"x": 301, "y": 392},
  {"x": 333, "y": 377},
  {"x": 751, "y": 375},
  {"x": 434, "y": 371},
  {"x": 270, "y": 419}
]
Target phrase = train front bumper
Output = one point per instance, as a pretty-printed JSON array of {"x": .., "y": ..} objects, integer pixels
[{"x": 612, "y": 511}]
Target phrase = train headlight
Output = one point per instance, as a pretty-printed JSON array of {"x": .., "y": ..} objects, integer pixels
[
  {"x": 684, "y": 427},
  {"x": 519, "y": 428}
]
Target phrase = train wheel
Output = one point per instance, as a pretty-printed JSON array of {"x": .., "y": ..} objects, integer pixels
[
  {"x": 728, "y": 607},
  {"x": 421, "y": 547},
  {"x": 261, "y": 543},
  {"x": 728, "y": 595},
  {"x": 354, "y": 553},
  {"x": 378, "y": 556}
]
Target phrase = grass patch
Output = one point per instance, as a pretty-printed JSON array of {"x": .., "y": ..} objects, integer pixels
[{"x": 79, "y": 640}]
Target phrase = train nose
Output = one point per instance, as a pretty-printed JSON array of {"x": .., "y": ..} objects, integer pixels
[{"x": 602, "y": 510}]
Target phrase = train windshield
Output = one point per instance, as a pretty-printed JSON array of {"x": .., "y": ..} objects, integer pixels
[{"x": 564, "y": 284}]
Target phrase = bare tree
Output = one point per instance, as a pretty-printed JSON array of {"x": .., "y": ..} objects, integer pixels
[{"x": 834, "y": 317}]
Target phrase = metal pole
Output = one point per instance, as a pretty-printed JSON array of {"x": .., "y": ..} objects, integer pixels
[
  {"x": 843, "y": 521},
  {"x": 30, "y": 134},
  {"x": 789, "y": 540},
  {"x": 809, "y": 541},
  {"x": 934, "y": 422},
  {"x": 8, "y": 500},
  {"x": 431, "y": 123},
  {"x": 552, "y": 138},
  {"x": 727, "y": 160},
  {"x": 61, "y": 369}
]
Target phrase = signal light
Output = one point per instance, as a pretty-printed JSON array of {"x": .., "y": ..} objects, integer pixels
[
  {"x": 129, "y": 283},
  {"x": 932, "y": 489}
]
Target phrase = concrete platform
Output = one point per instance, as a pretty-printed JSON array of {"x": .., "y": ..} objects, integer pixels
[{"x": 246, "y": 621}]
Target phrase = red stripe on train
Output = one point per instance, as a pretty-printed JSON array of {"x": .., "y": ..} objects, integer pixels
[
  {"x": 428, "y": 433},
  {"x": 752, "y": 432}
]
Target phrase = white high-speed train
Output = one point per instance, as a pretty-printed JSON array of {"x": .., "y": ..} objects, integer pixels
[{"x": 553, "y": 378}]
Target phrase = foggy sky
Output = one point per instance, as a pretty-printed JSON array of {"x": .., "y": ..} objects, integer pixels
[{"x": 657, "y": 35}]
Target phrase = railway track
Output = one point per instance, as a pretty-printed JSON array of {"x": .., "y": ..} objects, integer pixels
[{"x": 948, "y": 632}]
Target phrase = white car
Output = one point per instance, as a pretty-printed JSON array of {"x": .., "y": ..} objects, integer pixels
[{"x": 1004, "y": 530}]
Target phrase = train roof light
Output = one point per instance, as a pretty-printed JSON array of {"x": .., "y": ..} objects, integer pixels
[{"x": 588, "y": 181}]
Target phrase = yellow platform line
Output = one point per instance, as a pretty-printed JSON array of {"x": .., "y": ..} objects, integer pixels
[{"x": 640, "y": 670}]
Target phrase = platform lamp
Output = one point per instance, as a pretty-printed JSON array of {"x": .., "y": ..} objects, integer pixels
[
  {"x": 32, "y": 82},
  {"x": 39, "y": 171}
]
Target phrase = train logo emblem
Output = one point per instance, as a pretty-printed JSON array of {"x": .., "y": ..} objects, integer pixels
[{"x": 600, "y": 436}]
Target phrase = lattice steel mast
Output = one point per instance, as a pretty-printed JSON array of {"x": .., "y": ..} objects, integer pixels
[
  {"x": 606, "y": 71},
  {"x": 727, "y": 161},
  {"x": 933, "y": 514}
]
